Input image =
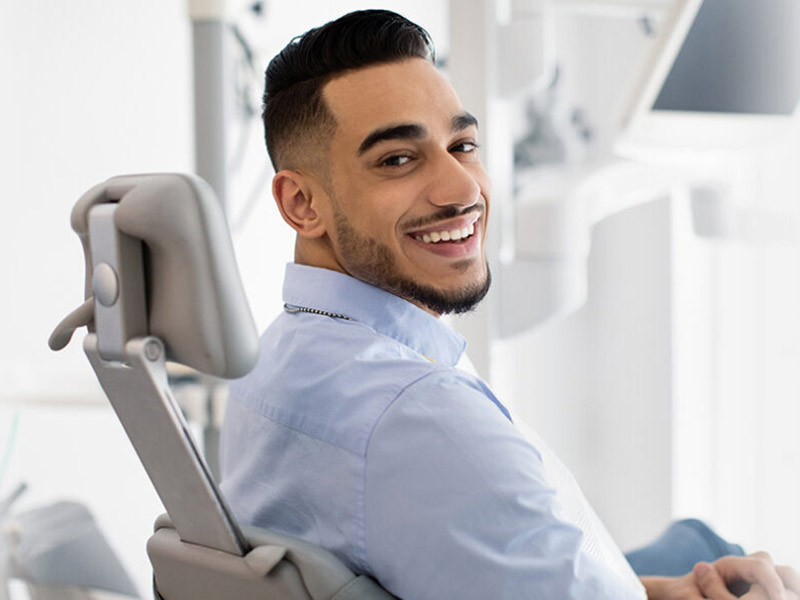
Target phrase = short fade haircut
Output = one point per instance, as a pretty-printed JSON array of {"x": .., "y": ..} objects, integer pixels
[{"x": 294, "y": 111}]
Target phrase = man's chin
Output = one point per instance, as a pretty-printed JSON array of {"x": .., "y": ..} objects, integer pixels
[{"x": 442, "y": 302}]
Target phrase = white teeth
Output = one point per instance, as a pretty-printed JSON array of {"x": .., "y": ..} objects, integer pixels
[{"x": 446, "y": 236}]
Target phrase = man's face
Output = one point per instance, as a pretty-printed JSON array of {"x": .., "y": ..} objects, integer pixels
[{"x": 408, "y": 198}]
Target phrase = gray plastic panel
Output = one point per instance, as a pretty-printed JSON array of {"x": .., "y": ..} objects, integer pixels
[
  {"x": 197, "y": 304},
  {"x": 118, "y": 276},
  {"x": 140, "y": 396},
  {"x": 278, "y": 567}
]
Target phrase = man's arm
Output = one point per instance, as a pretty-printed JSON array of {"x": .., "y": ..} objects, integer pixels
[{"x": 458, "y": 504}]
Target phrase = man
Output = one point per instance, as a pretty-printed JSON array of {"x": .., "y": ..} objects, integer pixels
[{"x": 356, "y": 431}]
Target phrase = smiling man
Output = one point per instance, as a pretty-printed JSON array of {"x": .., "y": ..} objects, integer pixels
[
  {"x": 403, "y": 199},
  {"x": 356, "y": 431}
]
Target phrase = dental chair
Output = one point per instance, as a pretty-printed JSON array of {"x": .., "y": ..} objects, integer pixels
[{"x": 162, "y": 285}]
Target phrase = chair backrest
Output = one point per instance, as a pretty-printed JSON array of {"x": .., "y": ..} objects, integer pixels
[{"x": 162, "y": 284}]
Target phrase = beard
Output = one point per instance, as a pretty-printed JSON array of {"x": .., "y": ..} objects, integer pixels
[{"x": 371, "y": 261}]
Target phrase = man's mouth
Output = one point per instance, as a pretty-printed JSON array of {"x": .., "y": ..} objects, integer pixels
[
  {"x": 446, "y": 235},
  {"x": 450, "y": 231}
]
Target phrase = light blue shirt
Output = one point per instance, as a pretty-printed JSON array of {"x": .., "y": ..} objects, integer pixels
[{"x": 361, "y": 436}]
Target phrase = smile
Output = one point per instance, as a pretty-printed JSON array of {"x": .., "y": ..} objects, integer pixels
[{"x": 451, "y": 235}]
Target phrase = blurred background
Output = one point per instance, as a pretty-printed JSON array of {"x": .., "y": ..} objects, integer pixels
[{"x": 645, "y": 241}]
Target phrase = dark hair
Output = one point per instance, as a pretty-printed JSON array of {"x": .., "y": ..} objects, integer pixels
[{"x": 294, "y": 110}]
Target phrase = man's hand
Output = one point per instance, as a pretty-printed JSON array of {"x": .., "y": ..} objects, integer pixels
[
  {"x": 753, "y": 577},
  {"x": 765, "y": 580}
]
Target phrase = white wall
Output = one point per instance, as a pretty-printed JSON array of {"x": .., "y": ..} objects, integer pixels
[{"x": 90, "y": 90}]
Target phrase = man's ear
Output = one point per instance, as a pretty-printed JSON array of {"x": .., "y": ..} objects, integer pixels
[{"x": 293, "y": 194}]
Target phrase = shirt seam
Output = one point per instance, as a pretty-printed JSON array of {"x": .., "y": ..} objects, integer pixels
[
  {"x": 256, "y": 409},
  {"x": 361, "y": 547}
]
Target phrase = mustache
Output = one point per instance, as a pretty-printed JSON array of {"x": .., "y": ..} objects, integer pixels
[{"x": 448, "y": 212}]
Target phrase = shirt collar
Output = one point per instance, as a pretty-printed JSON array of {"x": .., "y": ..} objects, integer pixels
[{"x": 390, "y": 315}]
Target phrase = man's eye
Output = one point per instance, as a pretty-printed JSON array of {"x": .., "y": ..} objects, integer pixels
[
  {"x": 397, "y": 160},
  {"x": 465, "y": 147}
]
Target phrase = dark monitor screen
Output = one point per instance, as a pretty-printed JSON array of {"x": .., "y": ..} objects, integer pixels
[{"x": 739, "y": 56}]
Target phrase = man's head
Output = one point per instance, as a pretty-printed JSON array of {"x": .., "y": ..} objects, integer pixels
[
  {"x": 377, "y": 163},
  {"x": 295, "y": 116}
]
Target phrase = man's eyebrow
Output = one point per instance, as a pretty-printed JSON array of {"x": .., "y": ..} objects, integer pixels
[
  {"x": 409, "y": 131},
  {"x": 462, "y": 122}
]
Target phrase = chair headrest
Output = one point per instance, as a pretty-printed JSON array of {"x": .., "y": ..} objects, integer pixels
[{"x": 193, "y": 297}]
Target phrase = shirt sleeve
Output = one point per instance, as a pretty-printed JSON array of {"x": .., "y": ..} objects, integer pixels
[{"x": 457, "y": 504}]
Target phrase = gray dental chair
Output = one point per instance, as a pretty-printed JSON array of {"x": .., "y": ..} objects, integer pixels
[{"x": 162, "y": 284}]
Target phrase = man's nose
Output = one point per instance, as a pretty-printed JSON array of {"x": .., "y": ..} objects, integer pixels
[{"x": 452, "y": 183}]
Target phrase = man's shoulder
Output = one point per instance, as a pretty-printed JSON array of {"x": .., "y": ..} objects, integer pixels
[{"x": 329, "y": 378}]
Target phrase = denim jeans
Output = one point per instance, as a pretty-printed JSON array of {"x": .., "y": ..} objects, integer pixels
[{"x": 679, "y": 548}]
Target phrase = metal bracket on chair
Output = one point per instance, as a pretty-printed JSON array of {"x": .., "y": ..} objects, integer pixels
[{"x": 139, "y": 393}]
